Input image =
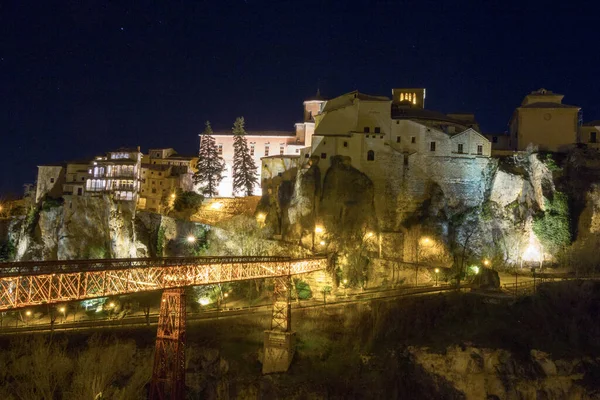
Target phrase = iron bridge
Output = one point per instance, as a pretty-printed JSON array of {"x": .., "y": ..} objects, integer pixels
[{"x": 30, "y": 283}]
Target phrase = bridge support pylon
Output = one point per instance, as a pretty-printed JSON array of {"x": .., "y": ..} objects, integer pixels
[
  {"x": 280, "y": 340},
  {"x": 168, "y": 374}
]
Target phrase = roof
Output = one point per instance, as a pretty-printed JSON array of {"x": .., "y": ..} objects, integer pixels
[
  {"x": 180, "y": 157},
  {"x": 548, "y": 105},
  {"x": 126, "y": 150},
  {"x": 368, "y": 97},
  {"x": 421, "y": 113},
  {"x": 593, "y": 123},
  {"x": 156, "y": 167},
  {"x": 282, "y": 156},
  {"x": 316, "y": 97},
  {"x": 258, "y": 133}
]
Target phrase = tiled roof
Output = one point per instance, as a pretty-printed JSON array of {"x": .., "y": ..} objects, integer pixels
[
  {"x": 259, "y": 133},
  {"x": 156, "y": 167},
  {"x": 548, "y": 105}
]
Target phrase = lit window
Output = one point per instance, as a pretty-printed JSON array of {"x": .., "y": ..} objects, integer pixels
[
  {"x": 370, "y": 155},
  {"x": 432, "y": 146}
]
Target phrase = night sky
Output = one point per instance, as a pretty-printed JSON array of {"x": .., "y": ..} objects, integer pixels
[{"x": 78, "y": 78}]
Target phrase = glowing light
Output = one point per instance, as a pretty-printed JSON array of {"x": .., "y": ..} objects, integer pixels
[
  {"x": 111, "y": 305},
  {"x": 226, "y": 295},
  {"x": 318, "y": 229},
  {"x": 370, "y": 234},
  {"x": 532, "y": 253},
  {"x": 217, "y": 205},
  {"x": 260, "y": 217},
  {"x": 437, "y": 270},
  {"x": 28, "y": 313},
  {"x": 426, "y": 240},
  {"x": 204, "y": 301},
  {"x": 191, "y": 239},
  {"x": 345, "y": 281},
  {"x": 486, "y": 262},
  {"x": 62, "y": 309},
  {"x": 475, "y": 269},
  {"x": 172, "y": 195},
  {"x": 322, "y": 243}
]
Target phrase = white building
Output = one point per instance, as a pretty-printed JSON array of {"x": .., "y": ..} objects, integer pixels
[{"x": 267, "y": 144}]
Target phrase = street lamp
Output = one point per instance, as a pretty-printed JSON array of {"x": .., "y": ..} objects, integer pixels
[
  {"x": 225, "y": 296},
  {"x": 486, "y": 262},
  {"x": 437, "y": 271},
  {"x": 318, "y": 229},
  {"x": 191, "y": 239},
  {"x": 63, "y": 311}
]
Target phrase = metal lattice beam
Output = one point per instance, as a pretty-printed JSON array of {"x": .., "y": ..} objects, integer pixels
[
  {"x": 168, "y": 374},
  {"x": 33, "y": 283}
]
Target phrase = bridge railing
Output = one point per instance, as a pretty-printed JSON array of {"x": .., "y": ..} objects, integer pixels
[
  {"x": 53, "y": 282},
  {"x": 64, "y": 266}
]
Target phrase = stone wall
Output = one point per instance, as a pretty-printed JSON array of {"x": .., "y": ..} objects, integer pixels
[{"x": 220, "y": 209}]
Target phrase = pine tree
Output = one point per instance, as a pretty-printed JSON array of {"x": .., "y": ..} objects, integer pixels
[
  {"x": 244, "y": 169},
  {"x": 210, "y": 164}
]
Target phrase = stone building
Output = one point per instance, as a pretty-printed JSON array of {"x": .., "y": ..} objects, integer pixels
[
  {"x": 118, "y": 174},
  {"x": 75, "y": 177},
  {"x": 589, "y": 134},
  {"x": 544, "y": 121},
  {"x": 267, "y": 144},
  {"x": 164, "y": 172},
  {"x": 50, "y": 179}
]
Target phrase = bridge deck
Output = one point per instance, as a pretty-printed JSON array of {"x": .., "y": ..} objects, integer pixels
[{"x": 24, "y": 284}]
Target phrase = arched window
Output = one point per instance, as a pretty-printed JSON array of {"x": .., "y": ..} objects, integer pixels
[{"x": 370, "y": 155}]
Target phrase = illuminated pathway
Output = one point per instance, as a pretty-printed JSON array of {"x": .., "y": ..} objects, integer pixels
[{"x": 24, "y": 284}]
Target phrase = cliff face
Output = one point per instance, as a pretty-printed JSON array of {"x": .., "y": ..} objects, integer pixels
[
  {"x": 96, "y": 227},
  {"x": 488, "y": 205}
]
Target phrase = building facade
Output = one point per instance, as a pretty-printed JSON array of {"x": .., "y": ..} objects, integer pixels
[
  {"x": 117, "y": 174},
  {"x": 544, "y": 121},
  {"x": 589, "y": 134},
  {"x": 164, "y": 173},
  {"x": 267, "y": 144}
]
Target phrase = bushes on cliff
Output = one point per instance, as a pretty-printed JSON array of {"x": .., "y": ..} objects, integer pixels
[
  {"x": 7, "y": 251},
  {"x": 552, "y": 227},
  {"x": 188, "y": 201}
]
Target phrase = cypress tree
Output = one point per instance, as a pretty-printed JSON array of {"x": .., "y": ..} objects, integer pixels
[
  {"x": 210, "y": 164},
  {"x": 244, "y": 168}
]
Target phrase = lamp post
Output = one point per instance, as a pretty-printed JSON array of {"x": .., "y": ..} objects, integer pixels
[
  {"x": 63, "y": 311},
  {"x": 28, "y": 314},
  {"x": 437, "y": 271},
  {"x": 225, "y": 296}
]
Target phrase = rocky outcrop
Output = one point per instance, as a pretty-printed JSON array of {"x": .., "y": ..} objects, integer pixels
[
  {"x": 85, "y": 227},
  {"x": 482, "y": 373}
]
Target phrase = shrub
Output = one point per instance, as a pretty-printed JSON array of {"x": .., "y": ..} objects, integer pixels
[
  {"x": 553, "y": 226},
  {"x": 50, "y": 203},
  {"x": 7, "y": 251},
  {"x": 302, "y": 289},
  {"x": 188, "y": 201}
]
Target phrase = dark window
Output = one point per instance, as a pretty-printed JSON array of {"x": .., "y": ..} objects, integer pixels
[
  {"x": 479, "y": 149},
  {"x": 306, "y": 155},
  {"x": 373, "y": 136},
  {"x": 432, "y": 146},
  {"x": 297, "y": 150},
  {"x": 593, "y": 137},
  {"x": 79, "y": 191},
  {"x": 266, "y": 151},
  {"x": 370, "y": 155},
  {"x": 495, "y": 139},
  {"x": 460, "y": 148},
  {"x": 413, "y": 139},
  {"x": 406, "y": 160},
  {"x": 397, "y": 139},
  {"x": 51, "y": 180},
  {"x": 366, "y": 129},
  {"x": 153, "y": 190},
  {"x": 83, "y": 178},
  {"x": 160, "y": 174},
  {"x": 345, "y": 144},
  {"x": 377, "y": 129},
  {"x": 397, "y": 122},
  {"x": 157, "y": 154},
  {"x": 323, "y": 155},
  {"x": 381, "y": 137}
]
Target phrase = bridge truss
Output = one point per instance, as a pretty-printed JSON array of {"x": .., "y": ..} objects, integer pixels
[{"x": 25, "y": 284}]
